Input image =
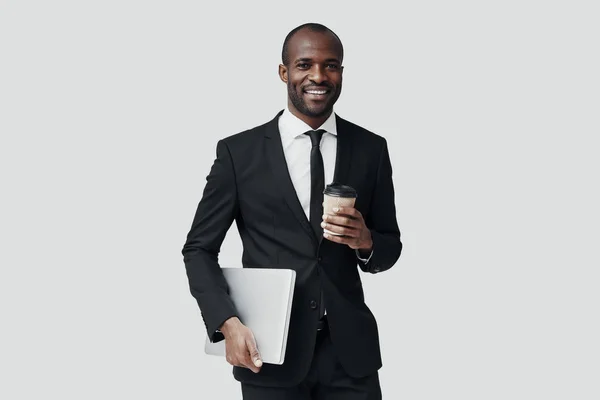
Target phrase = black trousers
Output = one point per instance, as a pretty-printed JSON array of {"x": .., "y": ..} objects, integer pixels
[{"x": 326, "y": 380}]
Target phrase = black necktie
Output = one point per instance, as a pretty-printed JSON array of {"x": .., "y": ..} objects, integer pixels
[
  {"x": 317, "y": 181},
  {"x": 317, "y": 185}
]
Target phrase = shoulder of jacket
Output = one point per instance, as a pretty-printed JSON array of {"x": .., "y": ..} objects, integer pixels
[
  {"x": 361, "y": 133},
  {"x": 247, "y": 137}
]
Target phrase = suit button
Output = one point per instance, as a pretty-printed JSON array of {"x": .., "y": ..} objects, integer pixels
[
  {"x": 320, "y": 258},
  {"x": 376, "y": 269},
  {"x": 313, "y": 304}
]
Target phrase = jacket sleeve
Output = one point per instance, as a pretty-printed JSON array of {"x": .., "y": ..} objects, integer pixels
[
  {"x": 215, "y": 213},
  {"x": 381, "y": 220}
]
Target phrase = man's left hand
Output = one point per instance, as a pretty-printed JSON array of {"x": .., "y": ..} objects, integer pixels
[{"x": 349, "y": 222}]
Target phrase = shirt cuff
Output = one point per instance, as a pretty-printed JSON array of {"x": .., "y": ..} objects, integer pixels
[{"x": 364, "y": 260}]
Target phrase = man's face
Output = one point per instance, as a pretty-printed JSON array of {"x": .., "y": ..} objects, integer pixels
[{"x": 314, "y": 73}]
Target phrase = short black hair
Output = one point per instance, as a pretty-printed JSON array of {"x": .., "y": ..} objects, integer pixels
[{"x": 313, "y": 27}]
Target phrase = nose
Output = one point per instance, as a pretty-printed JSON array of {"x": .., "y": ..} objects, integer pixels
[{"x": 317, "y": 74}]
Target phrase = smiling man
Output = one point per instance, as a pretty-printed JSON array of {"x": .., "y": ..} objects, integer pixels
[
  {"x": 312, "y": 69},
  {"x": 269, "y": 179}
]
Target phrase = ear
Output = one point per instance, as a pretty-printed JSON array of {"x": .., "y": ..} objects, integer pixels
[{"x": 283, "y": 73}]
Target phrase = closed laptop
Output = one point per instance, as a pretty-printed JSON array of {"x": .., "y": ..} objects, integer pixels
[{"x": 263, "y": 299}]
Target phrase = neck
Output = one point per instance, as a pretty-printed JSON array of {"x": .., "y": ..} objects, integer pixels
[{"x": 313, "y": 122}]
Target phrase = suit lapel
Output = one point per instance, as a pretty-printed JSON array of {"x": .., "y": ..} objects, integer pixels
[
  {"x": 280, "y": 171},
  {"x": 343, "y": 152}
]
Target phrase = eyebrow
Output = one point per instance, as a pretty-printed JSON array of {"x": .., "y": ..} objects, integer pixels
[{"x": 310, "y": 60}]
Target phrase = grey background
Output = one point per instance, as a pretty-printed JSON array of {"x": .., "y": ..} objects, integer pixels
[{"x": 109, "y": 116}]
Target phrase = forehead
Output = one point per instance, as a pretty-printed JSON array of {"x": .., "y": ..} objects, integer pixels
[{"x": 314, "y": 45}]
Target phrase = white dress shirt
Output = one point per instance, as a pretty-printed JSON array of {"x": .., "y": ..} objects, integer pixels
[{"x": 296, "y": 148}]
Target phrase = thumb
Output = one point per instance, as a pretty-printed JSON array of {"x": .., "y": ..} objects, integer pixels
[{"x": 254, "y": 354}]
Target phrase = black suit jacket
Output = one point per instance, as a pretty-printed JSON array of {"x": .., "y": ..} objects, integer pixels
[{"x": 249, "y": 183}]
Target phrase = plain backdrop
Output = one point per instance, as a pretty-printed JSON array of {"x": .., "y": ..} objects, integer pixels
[{"x": 109, "y": 116}]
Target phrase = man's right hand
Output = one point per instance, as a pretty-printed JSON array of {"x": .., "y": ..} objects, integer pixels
[{"x": 240, "y": 345}]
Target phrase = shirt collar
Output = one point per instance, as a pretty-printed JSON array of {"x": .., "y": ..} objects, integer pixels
[{"x": 291, "y": 126}]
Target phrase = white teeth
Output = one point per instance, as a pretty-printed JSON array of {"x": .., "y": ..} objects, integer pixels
[{"x": 316, "y": 91}]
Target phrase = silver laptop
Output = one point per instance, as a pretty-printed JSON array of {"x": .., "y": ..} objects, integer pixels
[{"x": 263, "y": 299}]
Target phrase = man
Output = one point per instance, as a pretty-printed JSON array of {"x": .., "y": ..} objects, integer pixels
[{"x": 269, "y": 180}]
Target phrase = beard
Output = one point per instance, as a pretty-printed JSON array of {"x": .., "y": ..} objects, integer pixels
[{"x": 320, "y": 109}]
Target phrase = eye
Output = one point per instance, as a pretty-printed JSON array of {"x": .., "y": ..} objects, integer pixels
[
  {"x": 303, "y": 65},
  {"x": 332, "y": 66}
]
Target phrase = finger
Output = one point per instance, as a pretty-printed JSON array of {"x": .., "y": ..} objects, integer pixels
[
  {"x": 253, "y": 351},
  {"x": 255, "y": 356},
  {"x": 352, "y": 242},
  {"x": 341, "y": 239},
  {"x": 350, "y": 232},
  {"x": 341, "y": 220},
  {"x": 350, "y": 211},
  {"x": 235, "y": 361},
  {"x": 243, "y": 359},
  {"x": 248, "y": 364}
]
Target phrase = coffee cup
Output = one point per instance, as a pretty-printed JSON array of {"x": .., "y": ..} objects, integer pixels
[{"x": 337, "y": 195}]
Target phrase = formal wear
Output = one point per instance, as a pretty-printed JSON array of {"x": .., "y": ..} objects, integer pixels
[
  {"x": 297, "y": 149},
  {"x": 250, "y": 183}
]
